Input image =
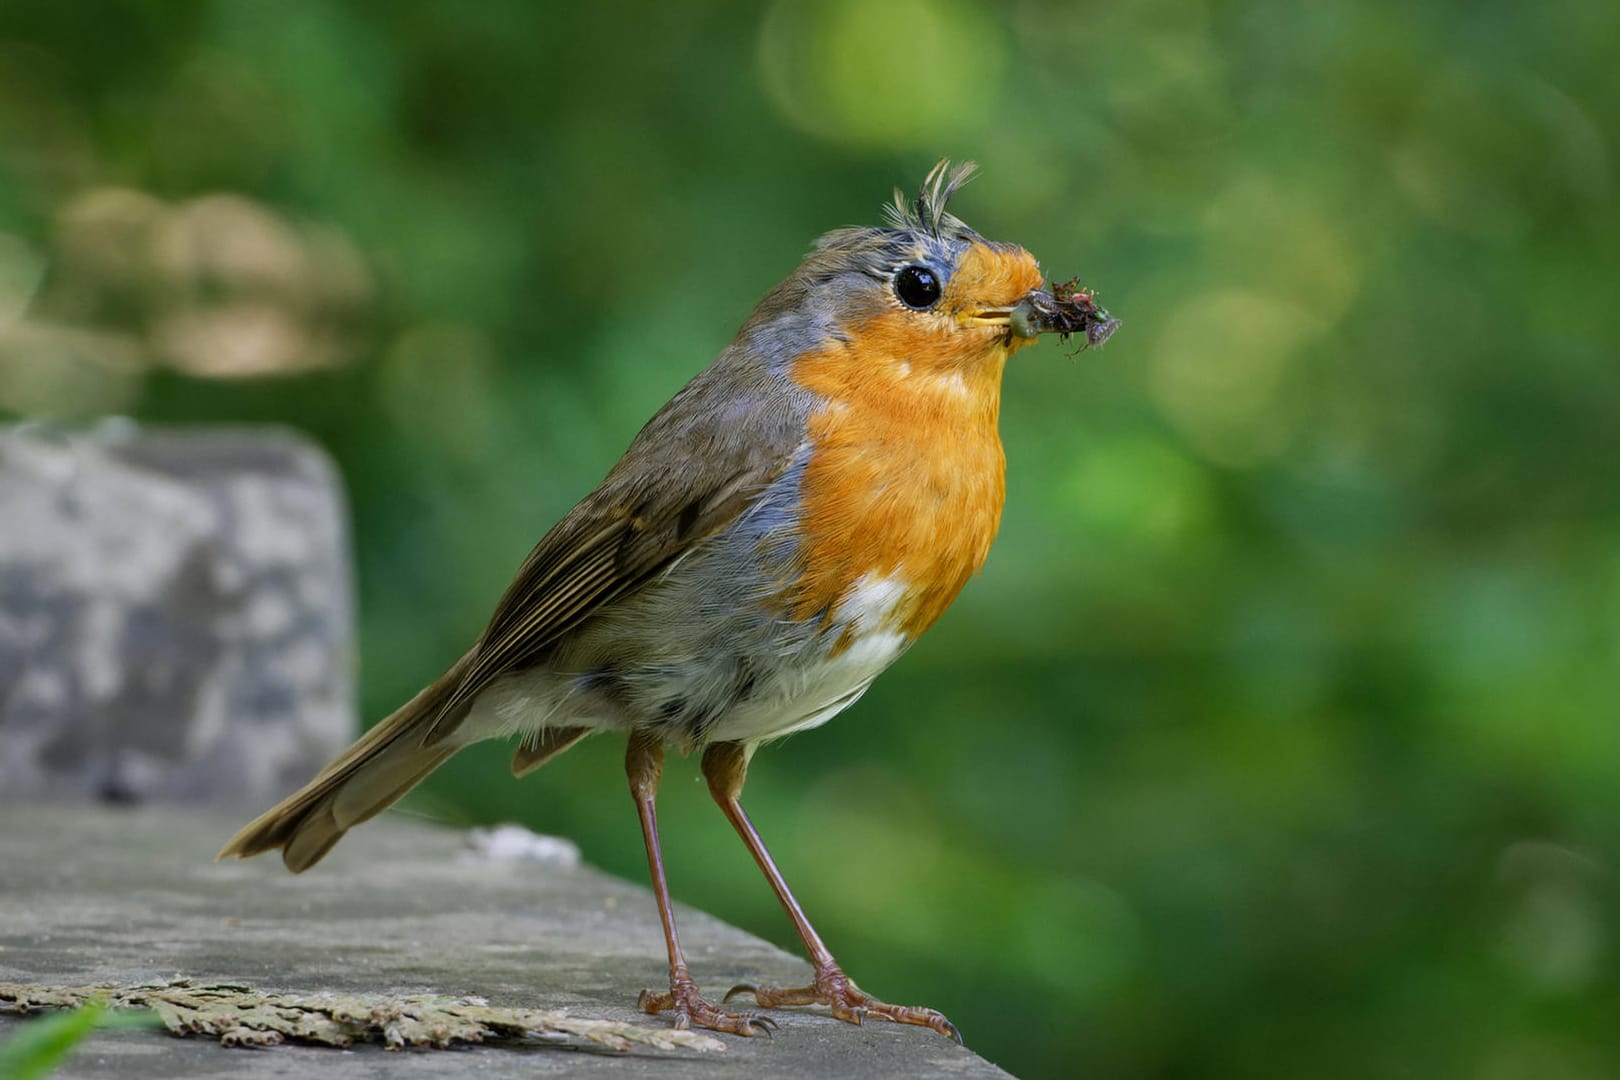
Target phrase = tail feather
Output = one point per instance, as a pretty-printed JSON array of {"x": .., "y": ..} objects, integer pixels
[
  {"x": 535, "y": 751},
  {"x": 367, "y": 778}
]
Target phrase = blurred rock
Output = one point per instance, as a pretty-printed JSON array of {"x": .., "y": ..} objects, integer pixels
[
  {"x": 175, "y": 614},
  {"x": 514, "y": 843}
]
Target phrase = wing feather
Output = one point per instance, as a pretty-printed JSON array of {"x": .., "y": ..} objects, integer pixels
[
  {"x": 698, "y": 464},
  {"x": 603, "y": 550}
]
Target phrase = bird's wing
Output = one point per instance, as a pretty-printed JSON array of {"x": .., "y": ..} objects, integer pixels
[{"x": 679, "y": 483}]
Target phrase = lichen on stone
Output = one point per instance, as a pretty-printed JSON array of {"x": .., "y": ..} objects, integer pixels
[{"x": 240, "y": 1016}]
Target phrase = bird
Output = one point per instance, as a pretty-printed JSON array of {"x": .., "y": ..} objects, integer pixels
[{"x": 777, "y": 535}]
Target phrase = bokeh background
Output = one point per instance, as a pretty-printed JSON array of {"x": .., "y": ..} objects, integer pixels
[{"x": 1280, "y": 737}]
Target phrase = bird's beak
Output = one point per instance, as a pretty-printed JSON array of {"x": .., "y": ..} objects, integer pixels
[
  {"x": 995, "y": 316},
  {"x": 1041, "y": 312}
]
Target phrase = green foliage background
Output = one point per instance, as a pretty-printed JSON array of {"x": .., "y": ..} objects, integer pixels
[{"x": 1279, "y": 737}]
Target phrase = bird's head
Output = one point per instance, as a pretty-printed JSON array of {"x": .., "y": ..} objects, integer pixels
[{"x": 922, "y": 294}]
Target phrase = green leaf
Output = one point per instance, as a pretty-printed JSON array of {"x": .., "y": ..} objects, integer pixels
[{"x": 42, "y": 1045}]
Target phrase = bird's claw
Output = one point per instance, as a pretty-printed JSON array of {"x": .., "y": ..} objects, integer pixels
[
  {"x": 691, "y": 1010},
  {"x": 848, "y": 1002}
]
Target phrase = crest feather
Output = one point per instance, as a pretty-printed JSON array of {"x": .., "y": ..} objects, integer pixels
[{"x": 928, "y": 213}]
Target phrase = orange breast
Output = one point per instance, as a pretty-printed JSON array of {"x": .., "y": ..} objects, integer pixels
[{"x": 906, "y": 477}]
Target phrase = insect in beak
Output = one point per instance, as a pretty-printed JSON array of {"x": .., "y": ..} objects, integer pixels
[{"x": 1062, "y": 310}]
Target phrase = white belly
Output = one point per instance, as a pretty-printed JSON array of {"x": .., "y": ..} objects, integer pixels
[{"x": 816, "y": 690}]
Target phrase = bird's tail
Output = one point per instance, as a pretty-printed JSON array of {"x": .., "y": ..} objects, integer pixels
[{"x": 363, "y": 781}]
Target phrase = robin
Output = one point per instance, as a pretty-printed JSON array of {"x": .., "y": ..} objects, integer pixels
[{"x": 777, "y": 535}]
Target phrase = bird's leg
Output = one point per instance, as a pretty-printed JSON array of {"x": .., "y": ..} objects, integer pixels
[
  {"x": 725, "y": 766},
  {"x": 644, "y": 764}
]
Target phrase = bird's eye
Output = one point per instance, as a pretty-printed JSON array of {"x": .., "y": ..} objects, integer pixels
[{"x": 917, "y": 287}]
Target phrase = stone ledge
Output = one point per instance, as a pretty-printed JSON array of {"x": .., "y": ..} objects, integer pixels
[{"x": 94, "y": 895}]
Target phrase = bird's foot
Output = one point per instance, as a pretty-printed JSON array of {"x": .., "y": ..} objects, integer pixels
[
  {"x": 691, "y": 1010},
  {"x": 849, "y": 1002}
]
